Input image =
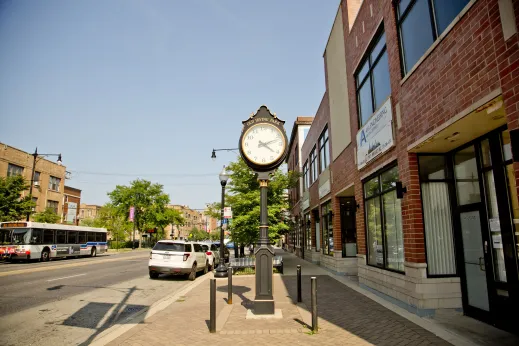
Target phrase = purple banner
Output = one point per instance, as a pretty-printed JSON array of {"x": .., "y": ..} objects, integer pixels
[{"x": 132, "y": 213}]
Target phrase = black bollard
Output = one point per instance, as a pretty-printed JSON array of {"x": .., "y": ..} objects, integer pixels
[
  {"x": 314, "y": 304},
  {"x": 212, "y": 306},
  {"x": 229, "y": 285},
  {"x": 299, "y": 300}
]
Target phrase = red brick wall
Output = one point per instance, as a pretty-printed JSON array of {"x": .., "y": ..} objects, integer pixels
[{"x": 469, "y": 63}]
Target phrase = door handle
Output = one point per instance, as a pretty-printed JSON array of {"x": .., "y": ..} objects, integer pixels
[{"x": 482, "y": 264}]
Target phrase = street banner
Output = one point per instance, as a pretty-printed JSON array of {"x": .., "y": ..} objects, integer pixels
[
  {"x": 227, "y": 213},
  {"x": 132, "y": 213}
]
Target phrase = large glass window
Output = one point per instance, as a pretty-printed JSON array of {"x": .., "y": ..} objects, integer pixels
[
  {"x": 61, "y": 237},
  {"x": 437, "y": 216},
  {"x": 466, "y": 174},
  {"x": 48, "y": 236},
  {"x": 384, "y": 221},
  {"x": 372, "y": 80},
  {"x": 324, "y": 151},
  {"x": 306, "y": 178},
  {"x": 14, "y": 170},
  {"x": 308, "y": 231},
  {"x": 53, "y": 205},
  {"x": 327, "y": 229},
  {"x": 36, "y": 236},
  {"x": 420, "y": 22},
  {"x": 313, "y": 166},
  {"x": 54, "y": 183}
]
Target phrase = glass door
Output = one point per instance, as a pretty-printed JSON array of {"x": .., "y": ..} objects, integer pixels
[
  {"x": 348, "y": 227},
  {"x": 474, "y": 236}
]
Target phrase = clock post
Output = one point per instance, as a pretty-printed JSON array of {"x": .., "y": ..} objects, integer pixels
[{"x": 263, "y": 147}]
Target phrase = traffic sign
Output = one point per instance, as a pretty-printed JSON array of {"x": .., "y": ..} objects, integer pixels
[{"x": 227, "y": 213}]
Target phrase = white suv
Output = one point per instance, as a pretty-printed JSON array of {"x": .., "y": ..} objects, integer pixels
[{"x": 177, "y": 257}]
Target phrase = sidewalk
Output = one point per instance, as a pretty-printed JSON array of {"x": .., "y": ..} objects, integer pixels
[{"x": 347, "y": 316}]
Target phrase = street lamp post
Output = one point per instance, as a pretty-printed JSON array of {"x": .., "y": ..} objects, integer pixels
[
  {"x": 35, "y": 156},
  {"x": 213, "y": 154},
  {"x": 221, "y": 271}
]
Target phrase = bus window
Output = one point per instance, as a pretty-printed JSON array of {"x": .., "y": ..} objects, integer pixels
[
  {"x": 82, "y": 238},
  {"x": 48, "y": 236},
  {"x": 91, "y": 236},
  {"x": 99, "y": 236},
  {"x": 61, "y": 237},
  {"x": 72, "y": 237},
  {"x": 104, "y": 237},
  {"x": 21, "y": 236},
  {"x": 36, "y": 236},
  {"x": 5, "y": 236}
]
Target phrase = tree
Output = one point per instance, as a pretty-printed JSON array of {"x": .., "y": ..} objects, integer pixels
[
  {"x": 196, "y": 234},
  {"x": 149, "y": 200},
  {"x": 12, "y": 207},
  {"x": 214, "y": 235},
  {"x": 244, "y": 198},
  {"x": 47, "y": 216},
  {"x": 164, "y": 216}
]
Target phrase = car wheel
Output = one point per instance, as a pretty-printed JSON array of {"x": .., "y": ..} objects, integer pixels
[
  {"x": 154, "y": 275},
  {"x": 192, "y": 275},
  {"x": 206, "y": 268},
  {"x": 45, "y": 255}
]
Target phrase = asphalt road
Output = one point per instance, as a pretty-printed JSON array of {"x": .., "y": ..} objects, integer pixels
[{"x": 67, "y": 302}]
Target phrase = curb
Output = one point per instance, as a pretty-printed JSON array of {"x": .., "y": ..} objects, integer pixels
[{"x": 125, "y": 325}]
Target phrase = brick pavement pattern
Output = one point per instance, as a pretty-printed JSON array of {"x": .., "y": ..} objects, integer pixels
[{"x": 345, "y": 318}]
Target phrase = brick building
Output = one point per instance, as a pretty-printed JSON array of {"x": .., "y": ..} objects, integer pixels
[
  {"x": 298, "y": 134},
  {"x": 49, "y": 177},
  {"x": 88, "y": 211},
  {"x": 192, "y": 218},
  {"x": 419, "y": 194}
]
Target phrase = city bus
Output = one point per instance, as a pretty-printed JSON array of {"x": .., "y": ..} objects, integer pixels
[{"x": 44, "y": 241}]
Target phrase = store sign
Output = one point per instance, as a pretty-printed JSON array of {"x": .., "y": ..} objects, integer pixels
[
  {"x": 376, "y": 137},
  {"x": 305, "y": 204},
  {"x": 324, "y": 189},
  {"x": 71, "y": 212}
]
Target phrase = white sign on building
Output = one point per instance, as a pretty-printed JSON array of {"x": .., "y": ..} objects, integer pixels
[
  {"x": 227, "y": 213},
  {"x": 324, "y": 189},
  {"x": 376, "y": 137},
  {"x": 71, "y": 212},
  {"x": 305, "y": 204}
]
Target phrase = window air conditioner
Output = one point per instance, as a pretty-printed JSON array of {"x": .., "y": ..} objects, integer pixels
[{"x": 36, "y": 184}]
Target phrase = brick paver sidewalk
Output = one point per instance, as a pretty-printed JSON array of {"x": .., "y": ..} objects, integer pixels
[{"x": 346, "y": 317}]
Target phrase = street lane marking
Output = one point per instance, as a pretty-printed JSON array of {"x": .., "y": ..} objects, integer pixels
[
  {"x": 80, "y": 264},
  {"x": 66, "y": 277}
]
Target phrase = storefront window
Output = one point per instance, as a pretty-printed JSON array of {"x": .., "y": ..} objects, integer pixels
[
  {"x": 437, "y": 216},
  {"x": 308, "y": 230},
  {"x": 466, "y": 173},
  {"x": 327, "y": 229},
  {"x": 385, "y": 238}
]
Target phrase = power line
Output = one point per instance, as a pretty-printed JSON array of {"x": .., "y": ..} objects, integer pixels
[{"x": 148, "y": 174}]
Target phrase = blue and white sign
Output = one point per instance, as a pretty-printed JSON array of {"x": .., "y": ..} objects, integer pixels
[{"x": 376, "y": 137}]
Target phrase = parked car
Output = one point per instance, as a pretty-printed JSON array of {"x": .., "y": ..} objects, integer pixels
[
  {"x": 177, "y": 258},
  {"x": 213, "y": 254},
  {"x": 226, "y": 252}
]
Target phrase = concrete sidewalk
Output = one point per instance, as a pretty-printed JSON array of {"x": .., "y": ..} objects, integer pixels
[{"x": 346, "y": 316}]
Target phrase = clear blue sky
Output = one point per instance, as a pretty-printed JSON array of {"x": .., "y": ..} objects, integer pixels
[{"x": 141, "y": 88}]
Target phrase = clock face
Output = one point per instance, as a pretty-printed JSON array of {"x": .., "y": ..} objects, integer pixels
[{"x": 263, "y": 144}]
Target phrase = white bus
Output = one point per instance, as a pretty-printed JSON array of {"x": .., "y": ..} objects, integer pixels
[{"x": 43, "y": 241}]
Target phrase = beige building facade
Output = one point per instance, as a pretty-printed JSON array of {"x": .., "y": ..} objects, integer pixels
[
  {"x": 88, "y": 211},
  {"x": 49, "y": 177}
]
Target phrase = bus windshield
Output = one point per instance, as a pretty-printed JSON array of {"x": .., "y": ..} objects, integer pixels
[{"x": 21, "y": 236}]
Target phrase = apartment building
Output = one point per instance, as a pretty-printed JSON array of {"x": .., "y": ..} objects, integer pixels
[
  {"x": 192, "y": 218},
  {"x": 71, "y": 205},
  {"x": 297, "y": 136},
  {"x": 49, "y": 176},
  {"x": 421, "y": 120},
  {"x": 88, "y": 211}
]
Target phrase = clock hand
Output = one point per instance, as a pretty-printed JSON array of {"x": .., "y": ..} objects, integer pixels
[
  {"x": 272, "y": 141},
  {"x": 266, "y": 146}
]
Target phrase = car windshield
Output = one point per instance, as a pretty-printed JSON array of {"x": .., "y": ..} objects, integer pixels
[
  {"x": 5, "y": 236},
  {"x": 21, "y": 236},
  {"x": 178, "y": 247}
]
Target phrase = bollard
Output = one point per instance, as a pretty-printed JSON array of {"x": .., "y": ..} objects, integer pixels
[
  {"x": 314, "y": 304},
  {"x": 229, "y": 285},
  {"x": 299, "y": 300},
  {"x": 212, "y": 306}
]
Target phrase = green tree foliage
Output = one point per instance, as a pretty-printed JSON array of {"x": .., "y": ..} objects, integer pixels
[
  {"x": 196, "y": 234},
  {"x": 150, "y": 204},
  {"x": 243, "y": 196},
  {"x": 47, "y": 216},
  {"x": 117, "y": 225},
  {"x": 214, "y": 235},
  {"x": 12, "y": 207}
]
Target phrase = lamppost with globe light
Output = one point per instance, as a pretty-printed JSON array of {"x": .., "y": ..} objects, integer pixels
[{"x": 221, "y": 270}]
